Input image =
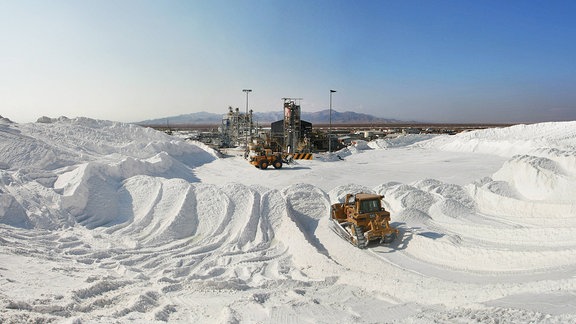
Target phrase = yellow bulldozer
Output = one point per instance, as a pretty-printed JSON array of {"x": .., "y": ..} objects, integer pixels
[{"x": 361, "y": 219}]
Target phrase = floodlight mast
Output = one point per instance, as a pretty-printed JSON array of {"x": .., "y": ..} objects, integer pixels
[
  {"x": 247, "y": 91},
  {"x": 330, "y": 124}
]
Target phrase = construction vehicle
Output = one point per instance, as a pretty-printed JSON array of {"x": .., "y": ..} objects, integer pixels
[
  {"x": 361, "y": 219},
  {"x": 263, "y": 158}
]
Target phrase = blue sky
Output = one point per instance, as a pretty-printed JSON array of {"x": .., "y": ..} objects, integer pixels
[{"x": 439, "y": 61}]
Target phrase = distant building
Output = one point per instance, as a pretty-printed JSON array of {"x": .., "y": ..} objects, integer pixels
[
  {"x": 277, "y": 135},
  {"x": 411, "y": 130},
  {"x": 236, "y": 128},
  {"x": 291, "y": 134}
]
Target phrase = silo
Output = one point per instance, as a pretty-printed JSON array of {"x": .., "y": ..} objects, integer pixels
[{"x": 291, "y": 124}]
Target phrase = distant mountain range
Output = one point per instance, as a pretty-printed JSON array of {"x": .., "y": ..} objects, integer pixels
[{"x": 319, "y": 117}]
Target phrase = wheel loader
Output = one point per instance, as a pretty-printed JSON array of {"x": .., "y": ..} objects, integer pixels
[
  {"x": 266, "y": 157},
  {"x": 361, "y": 219}
]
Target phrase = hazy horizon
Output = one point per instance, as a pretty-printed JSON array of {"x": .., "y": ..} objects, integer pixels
[{"x": 442, "y": 61}]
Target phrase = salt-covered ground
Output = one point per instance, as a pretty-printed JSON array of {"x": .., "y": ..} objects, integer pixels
[{"x": 109, "y": 222}]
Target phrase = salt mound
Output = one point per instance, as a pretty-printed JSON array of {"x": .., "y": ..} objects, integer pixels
[
  {"x": 162, "y": 211},
  {"x": 404, "y": 196},
  {"x": 85, "y": 162},
  {"x": 399, "y": 141},
  {"x": 510, "y": 141},
  {"x": 20, "y": 150},
  {"x": 361, "y": 145},
  {"x": 165, "y": 210},
  {"x": 428, "y": 184},
  {"x": 12, "y": 213},
  {"x": 456, "y": 193},
  {"x": 313, "y": 199},
  {"x": 446, "y": 191},
  {"x": 89, "y": 192},
  {"x": 358, "y": 146},
  {"x": 5, "y": 121},
  {"x": 415, "y": 218},
  {"x": 538, "y": 178},
  {"x": 66, "y": 142},
  {"x": 547, "y": 175},
  {"x": 501, "y": 198},
  {"x": 566, "y": 159},
  {"x": 454, "y": 208}
]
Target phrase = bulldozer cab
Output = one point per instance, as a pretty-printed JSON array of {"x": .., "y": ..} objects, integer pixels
[
  {"x": 369, "y": 206},
  {"x": 365, "y": 203}
]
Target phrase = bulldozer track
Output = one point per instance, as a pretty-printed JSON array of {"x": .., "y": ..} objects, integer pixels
[{"x": 360, "y": 239}]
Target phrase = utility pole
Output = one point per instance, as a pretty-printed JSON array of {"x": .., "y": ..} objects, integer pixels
[{"x": 330, "y": 124}]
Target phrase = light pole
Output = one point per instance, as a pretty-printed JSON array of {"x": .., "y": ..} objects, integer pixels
[
  {"x": 330, "y": 124},
  {"x": 247, "y": 91}
]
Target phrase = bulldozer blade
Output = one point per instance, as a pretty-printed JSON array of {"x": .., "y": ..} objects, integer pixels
[{"x": 342, "y": 232}]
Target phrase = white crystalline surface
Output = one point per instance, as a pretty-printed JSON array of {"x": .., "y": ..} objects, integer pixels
[{"x": 110, "y": 222}]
